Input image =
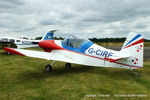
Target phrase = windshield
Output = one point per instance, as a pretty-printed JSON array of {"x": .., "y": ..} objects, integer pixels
[{"x": 75, "y": 41}]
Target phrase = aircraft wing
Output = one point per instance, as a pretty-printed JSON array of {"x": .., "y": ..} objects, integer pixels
[
  {"x": 113, "y": 59},
  {"x": 40, "y": 54}
]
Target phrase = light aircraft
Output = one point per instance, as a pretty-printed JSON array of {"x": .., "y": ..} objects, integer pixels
[
  {"x": 25, "y": 43},
  {"x": 82, "y": 51}
]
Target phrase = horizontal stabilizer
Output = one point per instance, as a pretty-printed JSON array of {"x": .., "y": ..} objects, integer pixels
[{"x": 113, "y": 59}]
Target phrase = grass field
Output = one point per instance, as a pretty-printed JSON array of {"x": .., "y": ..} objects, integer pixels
[{"x": 24, "y": 78}]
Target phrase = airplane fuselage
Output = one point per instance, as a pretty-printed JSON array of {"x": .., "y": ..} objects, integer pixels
[
  {"x": 94, "y": 55},
  {"x": 20, "y": 43}
]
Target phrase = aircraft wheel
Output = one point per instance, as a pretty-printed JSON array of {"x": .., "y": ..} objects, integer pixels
[
  {"x": 9, "y": 45},
  {"x": 68, "y": 65},
  {"x": 48, "y": 68}
]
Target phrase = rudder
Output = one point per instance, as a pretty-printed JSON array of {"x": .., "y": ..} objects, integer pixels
[{"x": 133, "y": 47}]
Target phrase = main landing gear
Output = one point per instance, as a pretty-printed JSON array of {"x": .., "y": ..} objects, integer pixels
[
  {"x": 49, "y": 66},
  {"x": 68, "y": 65}
]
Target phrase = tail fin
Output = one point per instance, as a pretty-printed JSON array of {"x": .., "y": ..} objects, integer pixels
[
  {"x": 133, "y": 47},
  {"x": 49, "y": 35}
]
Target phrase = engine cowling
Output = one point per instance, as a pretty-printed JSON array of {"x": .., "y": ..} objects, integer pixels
[{"x": 49, "y": 45}]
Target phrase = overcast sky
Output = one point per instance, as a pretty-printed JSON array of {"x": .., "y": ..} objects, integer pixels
[{"x": 89, "y": 18}]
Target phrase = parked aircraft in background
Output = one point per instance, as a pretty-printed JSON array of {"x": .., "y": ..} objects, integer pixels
[
  {"x": 26, "y": 43},
  {"x": 82, "y": 51}
]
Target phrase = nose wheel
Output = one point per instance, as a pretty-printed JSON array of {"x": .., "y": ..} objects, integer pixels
[{"x": 48, "y": 67}]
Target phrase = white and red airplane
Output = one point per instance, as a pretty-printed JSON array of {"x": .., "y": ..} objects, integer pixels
[
  {"x": 82, "y": 51},
  {"x": 25, "y": 43}
]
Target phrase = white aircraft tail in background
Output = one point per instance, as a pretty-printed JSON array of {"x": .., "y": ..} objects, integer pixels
[{"x": 49, "y": 35}]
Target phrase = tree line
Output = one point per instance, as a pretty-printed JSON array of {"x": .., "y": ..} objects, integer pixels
[{"x": 99, "y": 39}]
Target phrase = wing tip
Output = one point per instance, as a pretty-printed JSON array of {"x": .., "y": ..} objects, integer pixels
[{"x": 11, "y": 50}]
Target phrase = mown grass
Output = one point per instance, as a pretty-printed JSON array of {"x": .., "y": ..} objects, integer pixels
[{"x": 24, "y": 78}]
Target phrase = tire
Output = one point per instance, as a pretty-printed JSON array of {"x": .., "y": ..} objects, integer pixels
[
  {"x": 48, "y": 68},
  {"x": 68, "y": 65},
  {"x": 9, "y": 45}
]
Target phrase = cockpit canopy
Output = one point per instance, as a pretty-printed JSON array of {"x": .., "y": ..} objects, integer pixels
[{"x": 76, "y": 42}]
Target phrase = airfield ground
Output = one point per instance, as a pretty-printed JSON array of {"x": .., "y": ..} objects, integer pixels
[{"x": 24, "y": 78}]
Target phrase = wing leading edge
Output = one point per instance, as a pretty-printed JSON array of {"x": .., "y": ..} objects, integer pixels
[{"x": 40, "y": 54}]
